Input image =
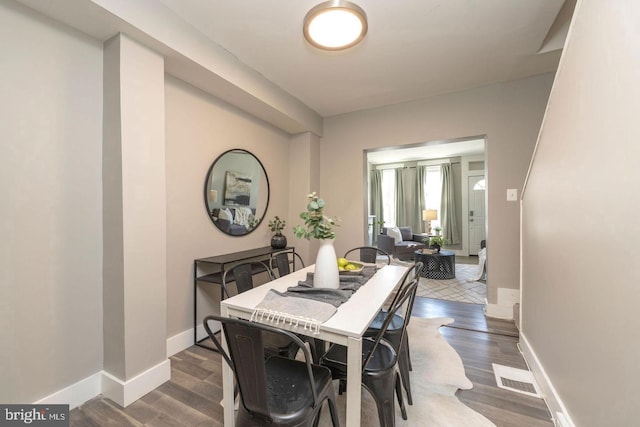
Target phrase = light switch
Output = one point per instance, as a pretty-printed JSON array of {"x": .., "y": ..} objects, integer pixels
[{"x": 512, "y": 195}]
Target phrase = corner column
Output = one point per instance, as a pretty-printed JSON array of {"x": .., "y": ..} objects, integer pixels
[{"x": 134, "y": 209}]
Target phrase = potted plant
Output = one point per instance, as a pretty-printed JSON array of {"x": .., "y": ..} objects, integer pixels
[
  {"x": 435, "y": 242},
  {"x": 278, "y": 241},
  {"x": 319, "y": 226},
  {"x": 437, "y": 229}
]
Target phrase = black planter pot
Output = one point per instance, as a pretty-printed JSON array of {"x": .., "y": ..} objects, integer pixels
[{"x": 278, "y": 241}]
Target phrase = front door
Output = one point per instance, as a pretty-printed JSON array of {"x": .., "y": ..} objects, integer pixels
[{"x": 477, "y": 218}]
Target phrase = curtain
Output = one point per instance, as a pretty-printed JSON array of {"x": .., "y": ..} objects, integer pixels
[
  {"x": 376, "y": 200},
  {"x": 448, "y": 207},
  {"x": 421, "y": 171},
  {"x": 400, "y": 202}
]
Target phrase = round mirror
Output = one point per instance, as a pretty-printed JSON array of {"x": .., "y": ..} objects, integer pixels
[{"x": 236, "y": 192}]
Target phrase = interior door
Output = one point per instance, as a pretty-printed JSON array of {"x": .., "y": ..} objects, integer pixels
[{"x": 477, "y": 216}]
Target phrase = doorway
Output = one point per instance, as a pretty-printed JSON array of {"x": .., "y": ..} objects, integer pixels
[{"x": 466, "y": 157}]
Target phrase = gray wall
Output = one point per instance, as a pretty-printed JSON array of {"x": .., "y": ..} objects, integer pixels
[
  {"x": 581, "y": 285},
  {"x": 51, "y": 214},
  {"x": 199, "y": 129},
  {"x": 509, "y": 114}
]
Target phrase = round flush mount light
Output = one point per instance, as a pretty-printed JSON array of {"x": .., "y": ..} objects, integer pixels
[{"x": 335, "y": 25}]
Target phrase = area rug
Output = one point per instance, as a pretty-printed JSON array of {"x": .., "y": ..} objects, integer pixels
[
  {"x": 463, "y": 288},
  {"x": 437, "y": 374}
]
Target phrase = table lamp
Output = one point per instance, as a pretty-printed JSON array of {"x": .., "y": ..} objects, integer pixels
[{"x": 429, "y": 215}]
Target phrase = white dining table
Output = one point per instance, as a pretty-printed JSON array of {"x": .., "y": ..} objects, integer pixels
[{"x": 346, "y": 327}]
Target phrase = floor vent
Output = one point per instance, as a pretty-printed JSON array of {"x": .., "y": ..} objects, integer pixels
[{"x": 518, "y": 380}]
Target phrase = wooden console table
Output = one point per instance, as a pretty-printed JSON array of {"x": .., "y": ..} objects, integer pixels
[{"x": 211, "y": 271}]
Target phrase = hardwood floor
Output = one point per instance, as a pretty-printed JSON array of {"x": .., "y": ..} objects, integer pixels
[{"x": 192, "y": 396}]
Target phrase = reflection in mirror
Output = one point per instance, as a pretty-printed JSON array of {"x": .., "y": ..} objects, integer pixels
[{"x": 236, "y": 192}]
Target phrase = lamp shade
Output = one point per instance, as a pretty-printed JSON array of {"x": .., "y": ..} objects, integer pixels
[
  {"x": 335, "y": 25},
  {"x": 429, "y": 214}
]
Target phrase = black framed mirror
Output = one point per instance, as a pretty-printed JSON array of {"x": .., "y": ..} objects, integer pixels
[{"x": 236, "y": 192}]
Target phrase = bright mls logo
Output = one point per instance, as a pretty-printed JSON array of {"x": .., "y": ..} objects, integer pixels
[{"x": 34, "y": 415}]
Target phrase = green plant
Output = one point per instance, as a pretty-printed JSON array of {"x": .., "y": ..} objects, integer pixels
[
  {"x": 277, "y": 225},
  {"x": 435, "y": 241},
  {"x": 316, "y": 223}
]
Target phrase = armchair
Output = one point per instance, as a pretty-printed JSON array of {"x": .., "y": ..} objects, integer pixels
[{"x": 404, "y": 247}]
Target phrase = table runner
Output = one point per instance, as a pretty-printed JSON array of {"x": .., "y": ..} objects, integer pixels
[{"x": 306, "y": 306}]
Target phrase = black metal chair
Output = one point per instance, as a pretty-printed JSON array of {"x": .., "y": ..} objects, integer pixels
[
  {"x": 380, "y": 373},
  {"x": 369, "y": 254},
  {"x": 282, "y": 261},
  {"x": 274, "y": 390},
  {"x": 395, "y": 331},
  {"x": 242, "y": 275}
]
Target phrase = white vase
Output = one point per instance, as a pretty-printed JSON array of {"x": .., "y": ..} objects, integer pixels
[{"x": 326, "y": 270}]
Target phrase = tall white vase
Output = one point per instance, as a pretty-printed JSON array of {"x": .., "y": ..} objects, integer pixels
[{"x": 326, "y": 270}]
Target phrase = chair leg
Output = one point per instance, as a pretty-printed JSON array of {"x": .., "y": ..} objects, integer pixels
[
  {"x": 382, "y": 388},
  {"x": 403, "y": 410},
  {"x": 406, "y": 342},
  {"x": 403, "y": 363}
]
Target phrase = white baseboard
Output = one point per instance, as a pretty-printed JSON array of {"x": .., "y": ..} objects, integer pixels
[
  {"x": 126, "y": 392},
  {"x": 558, "y": 411},
  {"x": 504, "y": 308},
  {"x": 179, "y": 342},
  {"x": 75, "y": 394}
]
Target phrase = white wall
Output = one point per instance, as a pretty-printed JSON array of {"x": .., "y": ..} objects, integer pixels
[
  {"x": 508, "y": 114},
  {"x": 199, "y": 129},
  {"x": 580, "y": 287},
  {"x": 51, "y": 209}
]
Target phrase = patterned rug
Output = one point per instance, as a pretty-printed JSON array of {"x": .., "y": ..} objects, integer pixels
[{"x": 462, "y": 289}]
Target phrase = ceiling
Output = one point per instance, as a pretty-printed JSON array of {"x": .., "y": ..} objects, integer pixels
[{"x": 414, "y": 48}]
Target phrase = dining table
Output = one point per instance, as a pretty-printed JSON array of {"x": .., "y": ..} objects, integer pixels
[{"x": 345, "y": 327}]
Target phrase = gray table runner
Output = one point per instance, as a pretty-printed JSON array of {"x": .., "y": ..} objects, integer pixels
[{"x": 306, "y": 306}]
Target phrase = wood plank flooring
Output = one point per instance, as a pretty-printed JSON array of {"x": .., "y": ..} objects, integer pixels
[{"x": 192, "y": 396}]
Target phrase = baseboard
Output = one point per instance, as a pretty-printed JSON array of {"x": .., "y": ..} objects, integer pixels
[
  {"x": 179, "y": 342},
  {"x": 126, "y": 392},
  {"x": 558, "y": 411},
  {"x": 75, "y": 394},
  {"x": 504, "y": 308}
]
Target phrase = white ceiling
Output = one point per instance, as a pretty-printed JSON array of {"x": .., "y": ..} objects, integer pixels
[{"x": 414, "y": 48}]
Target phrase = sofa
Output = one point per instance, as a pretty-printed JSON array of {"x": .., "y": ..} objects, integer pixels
[{"x": 400, "y": 246}]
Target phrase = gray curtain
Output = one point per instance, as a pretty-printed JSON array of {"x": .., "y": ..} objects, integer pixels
[
  {"x": 448, "y": 207},
  {"x": 421, "y": 171},
  {"x": 376, "y": 200}
]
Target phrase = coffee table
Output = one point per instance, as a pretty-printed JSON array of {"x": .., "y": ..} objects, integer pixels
[{"x": 438, "y": 266}]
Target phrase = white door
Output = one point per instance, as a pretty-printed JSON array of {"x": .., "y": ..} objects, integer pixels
[{"x": 477, "y": 217}]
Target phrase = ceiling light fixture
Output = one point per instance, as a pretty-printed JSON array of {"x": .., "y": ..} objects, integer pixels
[{"x": 335, "y": 25}]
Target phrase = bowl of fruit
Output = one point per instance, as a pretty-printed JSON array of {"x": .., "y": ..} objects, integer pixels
[{"x": 345, "y": 266}]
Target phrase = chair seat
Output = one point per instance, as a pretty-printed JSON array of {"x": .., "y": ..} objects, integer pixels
[
  {"x": 396, "y": 323},
  {"x": 289, "y": 396},
  {"x": 383, "y": 359}
]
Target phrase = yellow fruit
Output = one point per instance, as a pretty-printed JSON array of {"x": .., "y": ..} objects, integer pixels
[
  {"x": 342, "y": 262},
  {"x": 350, "y": 267}
]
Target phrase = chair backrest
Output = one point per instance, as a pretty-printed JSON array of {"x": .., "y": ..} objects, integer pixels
[
  {"x": 283, "y": 261},
  {"x": 412, "y": 273},
  {"x": 401, "y": 306},
  {"x": 369, "y": 254},
  {"x": 242, "y": 274},
  {"x": 246, "y": 358}
]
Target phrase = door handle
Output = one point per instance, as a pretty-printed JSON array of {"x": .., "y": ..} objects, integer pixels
[{"x": 471, "y": 220}]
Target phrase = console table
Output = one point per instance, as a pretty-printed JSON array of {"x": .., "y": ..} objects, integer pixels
[
  {"x": 438, "y": 266},
  {"x": 211, "y": 270}
]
